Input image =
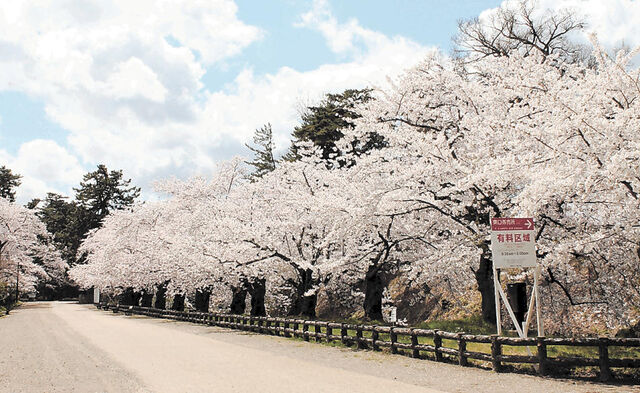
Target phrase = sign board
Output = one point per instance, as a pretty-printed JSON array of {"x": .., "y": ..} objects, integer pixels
[{"x": 513, "y": 242}]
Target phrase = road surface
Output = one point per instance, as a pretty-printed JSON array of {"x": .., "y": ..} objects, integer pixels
[{"x": 66, "y": 347}]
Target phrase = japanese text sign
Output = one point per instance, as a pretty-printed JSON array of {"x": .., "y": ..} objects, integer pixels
[{"x": 513, "y": 242}]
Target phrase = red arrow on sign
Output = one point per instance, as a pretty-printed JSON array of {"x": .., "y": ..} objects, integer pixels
[{"x": 511, "y": 224}]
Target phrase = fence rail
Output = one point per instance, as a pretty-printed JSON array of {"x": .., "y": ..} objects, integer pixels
[{"x": 442, "y": 345}]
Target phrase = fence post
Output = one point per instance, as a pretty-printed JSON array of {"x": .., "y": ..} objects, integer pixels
[
  {"x": 415, "y": 352},
  {"x": 437, "y": 343},
  {"x": 603, "y": 352},
  {"x": 329, "y": 332},
  {"x": 343, "y": 334},
  {"x": 317, "y": 330},
  {"x": 394, "y": 339},
  {"x": 462, "y": 348},
  {"x": 374, "y": 337},
  {"x": 305, "y": 331},
  {"x": 268, "y": 326},
  {"x": 296, "y": 327},
  {"x": 542, "y": 355},
  {"x": 286, "y": 327},
  {"x": 359, "y": 343},
  {"x": 496, "y": 352}
]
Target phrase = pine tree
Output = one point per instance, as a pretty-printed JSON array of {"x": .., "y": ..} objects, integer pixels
[
  {"x": 8, "y": 183},
  {"x": 264, "y": 160},
  {"x": 100, "y": 192},
  {"x": 322, "y": 124}
]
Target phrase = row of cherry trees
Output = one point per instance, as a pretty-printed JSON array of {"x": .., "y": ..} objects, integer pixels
[
  {"x": 520, "y": 135},
  {"x": 27, "y": 256}
]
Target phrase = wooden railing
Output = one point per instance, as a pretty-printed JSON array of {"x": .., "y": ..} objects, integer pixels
[{"x": 415, "y": 342}]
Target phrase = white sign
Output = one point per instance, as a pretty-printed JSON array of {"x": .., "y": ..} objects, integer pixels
[{"x": 513, "y": 242}]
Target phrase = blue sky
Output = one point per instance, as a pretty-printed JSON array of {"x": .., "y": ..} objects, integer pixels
[{"x": 170, "y": 88}]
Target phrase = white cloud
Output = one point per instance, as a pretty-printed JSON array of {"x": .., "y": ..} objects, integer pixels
[
  {"x": 352, "y": 38},
  {"x": 45, "y": 167},
  {"x": 124, "y": 78},
  {"x": 111, "y": 55},
  {"x": 133, "y": 78}
]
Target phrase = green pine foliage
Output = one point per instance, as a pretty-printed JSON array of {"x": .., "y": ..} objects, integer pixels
[
  {"x": 62, "y": 219},
  {"x": 264, "y": 160},
  {"x": 8, "y": 183},
  {"x": 102, "y": 191},
  {"x": 322, "y": 124}
]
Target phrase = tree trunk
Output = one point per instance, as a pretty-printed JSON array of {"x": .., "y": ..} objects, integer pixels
[
  {"x": 202, "y": 300},
  {"x": 126, "y": 297},
  {"x": 257, "y": 291},
  {"x": 304, "y": 305},
  {"x": 161, "y": 296},
  {"x": 135, "y": 298},
  {"x": 484, "y": 279},
  {"x": 147, "y": 298},
  {"x": 373, "y": 294},
  {"x": 238, "y": 299},
  {"x": 178, "y": 303}
]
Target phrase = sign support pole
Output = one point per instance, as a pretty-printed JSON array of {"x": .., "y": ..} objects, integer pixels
[
  {"x": 525, "y": 328},
  {"x": 536, "y": 276},
  {"x": 513, "y": 246},
  {"x": 496, "y": 285}
]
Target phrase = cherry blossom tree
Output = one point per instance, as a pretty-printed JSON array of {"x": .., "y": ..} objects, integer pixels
[
  {"x": 26, "y": 255},
  {"x": 519, "y": 135},
  {"x": 528, "y": 134}
]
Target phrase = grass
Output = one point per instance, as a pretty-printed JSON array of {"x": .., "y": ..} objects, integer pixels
[{"x": 472, "y": 325}]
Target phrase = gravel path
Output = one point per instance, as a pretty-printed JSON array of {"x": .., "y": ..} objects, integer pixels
[{"x": 65, "y": 347}]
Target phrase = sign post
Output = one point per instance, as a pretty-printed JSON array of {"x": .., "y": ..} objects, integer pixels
[{"x": 513, "y": 246}]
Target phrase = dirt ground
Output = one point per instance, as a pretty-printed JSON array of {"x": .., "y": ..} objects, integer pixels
[{"x": 66, "y": 347}]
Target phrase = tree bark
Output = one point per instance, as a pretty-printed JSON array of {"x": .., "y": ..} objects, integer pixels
[
  {"x": 373, "y": 294},
  {"x": 161, "y": 296},
  {"x": 147, "y": 298},
  {"x": 202, "y": 300},
  {"x": 126, "y": 297},
  {"x": 135, "y": 298},
  {"x": 178, "y": 303},
  {"x": 257, "y": 291},
  {"x": 238, "y": 299},
  {"x": 484, "y": 279},
  {"x": 304, "y": 304}
]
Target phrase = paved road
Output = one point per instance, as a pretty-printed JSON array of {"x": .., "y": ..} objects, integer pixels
[{"x": 65, "y": 347}]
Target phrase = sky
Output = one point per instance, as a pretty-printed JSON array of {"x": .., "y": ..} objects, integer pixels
[{"x": 164, "y": 88}]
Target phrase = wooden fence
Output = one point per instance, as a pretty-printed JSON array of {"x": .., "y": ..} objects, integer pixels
[{"x": 443, "y": 346}]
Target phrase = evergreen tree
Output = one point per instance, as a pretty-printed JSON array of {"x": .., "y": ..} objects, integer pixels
[
  {"x": 264, "y": 160},
  {"x": 100, "y": 192},
  {"x": 62, "y": 219},
  {"x": 322, "y": 124},
  {"x": 8, "y": 183}
]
